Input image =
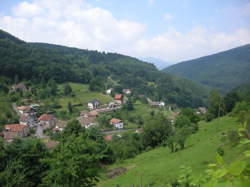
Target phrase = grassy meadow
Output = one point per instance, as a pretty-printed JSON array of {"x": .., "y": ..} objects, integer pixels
[{"x": 158, "y": 167}]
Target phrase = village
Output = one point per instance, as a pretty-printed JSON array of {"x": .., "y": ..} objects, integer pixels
[{"x": 30, "y": 122}]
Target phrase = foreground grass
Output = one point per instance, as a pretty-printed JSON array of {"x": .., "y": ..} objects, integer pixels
[{"x": 158, "y": 167}]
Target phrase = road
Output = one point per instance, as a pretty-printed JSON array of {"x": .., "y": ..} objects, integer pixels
[
  {"x": 116, "y": 131},
  {"x": 39, "y": 132}
]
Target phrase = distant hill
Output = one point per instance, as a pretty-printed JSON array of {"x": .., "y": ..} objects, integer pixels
[
  {"x": 223, "y": 71},
  {"x": 160, "y": 64},
  {"x": 40, "y": 62}
]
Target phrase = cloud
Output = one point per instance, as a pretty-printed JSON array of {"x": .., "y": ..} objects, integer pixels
[
  {"x": 81, "y": 25},
  {"x": 78, "y": 24},
  {"x": 176, "y": 46},
  {"x": 167, "y": 17},
  {"x": 151, "y": 2}
]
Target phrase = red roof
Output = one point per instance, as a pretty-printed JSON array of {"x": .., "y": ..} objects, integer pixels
[
  {"x": 108, "y": 138},
  {"x": 114, "y": 121},
  {"x": 46, "y": 117},
  {"x": 15, "y": 127},
  {"x": 118, "y": 97},
  {"x": 23, "y": 108}
]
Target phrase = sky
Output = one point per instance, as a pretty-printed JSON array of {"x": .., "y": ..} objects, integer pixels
[{"x": 171, "y": 30}]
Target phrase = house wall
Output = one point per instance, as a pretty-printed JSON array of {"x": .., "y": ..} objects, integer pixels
[{"x": 119, "y": 125}]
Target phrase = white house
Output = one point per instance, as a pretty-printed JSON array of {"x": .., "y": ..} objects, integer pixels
[
  {"x": 117, "y": 123},
  {"x": 157, "y": 104},
  {"x": 127, "y": 91},
  {"x": 94, "y": 104},
  {"x": 109, "y": 91}
]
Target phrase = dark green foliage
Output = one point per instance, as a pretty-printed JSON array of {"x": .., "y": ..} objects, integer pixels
[
  {"x": 70, "y": 108},
  {"x": 75, "y": 162},
  {"x": 216, "y": 105},
  {"x": 127, "y": 146},
  {"x": 156, "y": 131},
  {"x": 129, "y": 105},
  {"x": 230, "y": 100},
  {"x": 42, "y": 63},
  {"x": 67, "y": 89},
  {"x": 21, "y": 163},
  {"x": 223, "y": 71}
]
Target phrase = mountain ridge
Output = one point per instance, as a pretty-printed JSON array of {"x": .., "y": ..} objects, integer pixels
[{"x": 223, "y": 71}]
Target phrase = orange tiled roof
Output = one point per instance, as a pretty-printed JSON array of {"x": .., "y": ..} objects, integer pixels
[
  {"x": 15, "y": 127},
  {"x": 114, "y": 121},
  {"x": 118, "y": 97},
  {"x": 46, "y": 117}
]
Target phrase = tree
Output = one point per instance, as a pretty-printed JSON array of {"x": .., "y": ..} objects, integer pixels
[
  {"x": 70, "y": 108},
  {"x": 76, "y": 162},
  {"x": 67, "y": 89},
  {"x": 190, "y": 113},
  {"x": 230, "y": 100},
  {"x": 216, "y": 106},
  {"x": 129, "y": 105},
  {"x": 96, "y": 84},
  {"x": 53, "y": 87},
  {"x": 21, "y": 164},
  {"x": 73, "y": 128},
  {"x": 156, "y": 131}
]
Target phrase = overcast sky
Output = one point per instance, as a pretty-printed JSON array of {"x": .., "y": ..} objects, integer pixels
[{"x": 171, "y": 30}]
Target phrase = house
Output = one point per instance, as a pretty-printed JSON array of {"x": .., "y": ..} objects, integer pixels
[
  {"x": 26, "y": 110},
  {"x": 19, "y": 87},
  {"x": 117, "y": 123},
  {"x": 112, "y": 105},
  {"x": 57, "y": 129},
  {"x": 157, "y": 104},
  {"x": 87, "y": 122},
  {"x": 47, "y": 121},
  {"x": 84, "y": 113},
  {"x": 109, "y": 91},
  {"x": 108, "y": 138},
  {"x": 119, "y": 98},
  {"x": 15, "y": 130},
  {"x": 201, "y": 110},
  {"x": 27, "y": 120},
  {"x": 127, "y": 91},
  {"x": 93, "y": 104},
  {"x": 93, "y": 113},
  {"x": 60, "y": 125}
]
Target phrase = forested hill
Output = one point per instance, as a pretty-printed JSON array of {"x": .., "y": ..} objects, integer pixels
[
  {"x": 38, "y": 62},
  {"x": 224, "y": 71}
]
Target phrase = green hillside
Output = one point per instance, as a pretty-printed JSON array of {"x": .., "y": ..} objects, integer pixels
[
  {"x": 159, "y": 167},
  {"x": 224, "y": 71},
  {"x": 39, "y": 63}
]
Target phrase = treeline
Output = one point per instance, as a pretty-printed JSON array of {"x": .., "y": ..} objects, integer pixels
[
  {"x": 42, "y": 62},
  {"x": 233, "y": 102}
]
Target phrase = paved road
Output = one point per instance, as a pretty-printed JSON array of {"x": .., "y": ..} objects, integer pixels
[
  {"x": 39, "y": 132},
  {"x": 116, "y": 131}
]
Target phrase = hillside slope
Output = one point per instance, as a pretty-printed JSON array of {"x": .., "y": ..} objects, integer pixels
[
  {"x": 159, "y": 167},
  {"x": 224, "y": 71},
  {"x": 39, "y": 62}
]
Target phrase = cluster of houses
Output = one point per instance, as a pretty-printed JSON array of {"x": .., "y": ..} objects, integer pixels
[
  {"x": 88, "y": 118},
  {"x": 28, "y": 120}
]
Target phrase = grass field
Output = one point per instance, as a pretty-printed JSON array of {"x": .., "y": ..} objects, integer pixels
[
  {"x": 159, "y": 166},
  {"x": 81, "y": 97}
]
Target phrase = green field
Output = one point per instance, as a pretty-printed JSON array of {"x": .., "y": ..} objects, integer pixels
[
  {"x": 159, "y": 166},
  {"x": 81, "y": 96}
]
